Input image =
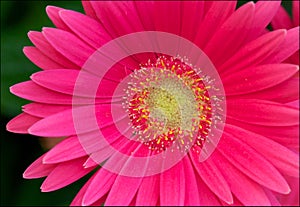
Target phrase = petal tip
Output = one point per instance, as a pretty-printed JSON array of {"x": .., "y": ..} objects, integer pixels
[{"x": 51, "y": 9}]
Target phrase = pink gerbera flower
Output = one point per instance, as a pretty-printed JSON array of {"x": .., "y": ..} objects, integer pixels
[{"x": 159, "y": 124}]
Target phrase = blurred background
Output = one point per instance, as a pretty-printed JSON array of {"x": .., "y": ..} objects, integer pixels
[{"x": 19, "y": 151}]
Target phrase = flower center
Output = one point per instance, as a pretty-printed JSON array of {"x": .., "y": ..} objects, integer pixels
[{"x": 168, "y": 103}]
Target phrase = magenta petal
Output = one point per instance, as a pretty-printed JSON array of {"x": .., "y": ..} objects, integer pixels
[
  {"x": 68, "y": 45},
  {"x": 99, "y": 186},
  {"x": 217, "y": 13},
  {"x": 247, "y": 191},
  {"x": 31, "y": 91},
  {"x": 231, "y": 35},
  {"x": 191, "y": 185},
  {"x": 172, "y": 186},
  {"x": 167, "y": 16},
  {"x": 62, "y": 80},
  {"x": 295, "y": 104},
  {"x": 38, "y": 169},
  {"x": 58, "y": 178},
  {"x": 206, "y": 196},
  {"x": 272, "y": 198},
  {"x": 213, "y": 178},
  {"x": 285, "y": 135},
  {"x": 289, "y": 163},
  {"x": 65, "y": 80},
  {"x": 252, "y": 164},
  {"x": 123, "y": 191},
  {"x": 254, "y": 52},
  {"x": 88, "y": 29},
  {"x": 146, "y": 10},
  {"x": 77, "y": 201},
  {"x": 257, "y": 78},
  {"x": 39, "y": 59},
  {"x": 284, "y": 92},
  {"x": 282, "y": 20},
  {"x": 43, "y": 110},
  {"x": 21, "y": 123},
  {"x": 295, "y": 11},
  {"x": 261, "y": 112},
  {"x": 287, "y": 48},
  {"x": 38, "y": 39},
  {"x": 191, "y": 18},
  {"x": 291, "y": 199},
  {"x": 53, "y": 13},
  {"x": 62, "y": 124},
  {"x": 88, "y": 9},
  {"x": 264, "y": 12},
  {"x": 148, "y": 193},
  {"x": 124, "y": 11},
  {"x": 68, "y": 149}
]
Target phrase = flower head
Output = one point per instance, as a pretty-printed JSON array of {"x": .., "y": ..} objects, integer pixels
[{"x": 208, "y": 124}]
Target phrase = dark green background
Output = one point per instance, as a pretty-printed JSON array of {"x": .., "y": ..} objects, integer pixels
[{"x": 18, "y": 151}]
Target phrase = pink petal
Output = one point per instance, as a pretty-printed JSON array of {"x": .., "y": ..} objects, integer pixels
[
  {"x": 148, "y": 193},
  {"x": 291, "y": 199},
  {"x": 247, "y": 191},
  {"x": 66, "y": 80},
  {"x": 88, "y": 9},
  {"x": 261, "y": 112},
  {"x": 68, "y": 45},
  {"x": 254, "y": 52},
  {"x": 108, "y": 12},
  {"x": 39, "y": 59},
  {"x": 295, "y": 104},
  {"x": 284, "y": 92},
  {"x": 38, "y": 39},
  {"x": 191, "y": 18},
  {"x": 123, "y": 191},
  {"x": 61, "y": 80},
  {"x": 287, "y": 48},
  {"x": 213, "y": 178},
  {"x": 58, "y": 178},
  {"x": 295, "y": 11},
  {"x": 191, "y": 191},
  {"x": 38, "y": 169},
  {"x": 31, "y": 91},
  {"x": 285, "y": 135},
  {"x": 264, "y": 12},
  {"x": 206, "y": 196},
  {"x": 99, "y": 186},
  {"x": 77, "y": 201},
  {"x": 102, "y": 152},
  {"x": 257, "y": 78},
  {"x": 231, "y": 35},
  {"x": 53, "y": 13},
  {"x": 288, "y": 164},
  {"x": 88, "y": 29},
  {"x": 282, "y": 20},
  {"x": 21, "y": 123},
  {"x": 167, "y": 16},
  {"x": 273, "y": 200},
  {"x": 90, "y": 162},
  {"x": 146, "y": 12},
  {"x": 217, "y": 13},
  {"x": 43, "y": 110},
  {"x": 61, "y": 124},
  {"x": 68, "y": 149},
  {"x": 172, "y": 186},
  {"x": 252, "y": 164}
]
